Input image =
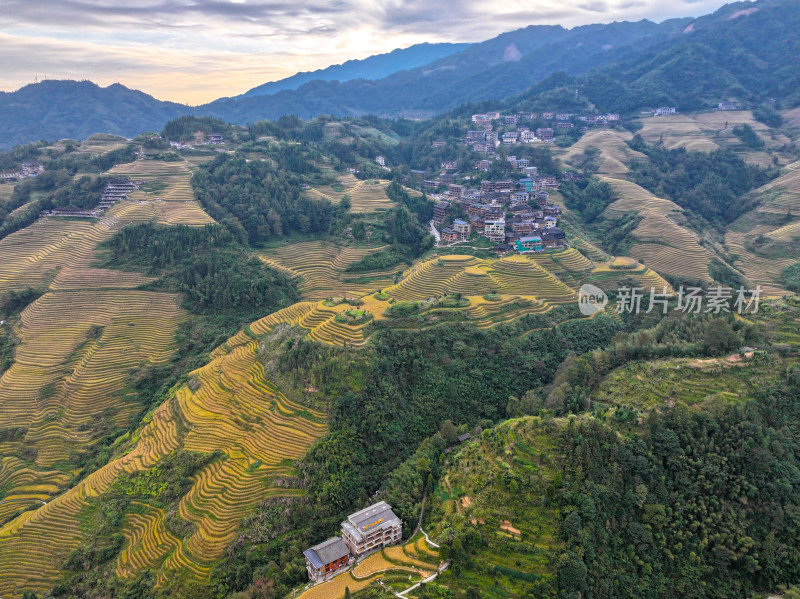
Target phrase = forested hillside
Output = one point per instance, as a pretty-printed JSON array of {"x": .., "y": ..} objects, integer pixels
[{"x": 267, "y": 333}]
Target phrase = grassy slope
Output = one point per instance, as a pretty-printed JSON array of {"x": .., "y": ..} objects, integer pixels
[{"x": 500, "y": 480}]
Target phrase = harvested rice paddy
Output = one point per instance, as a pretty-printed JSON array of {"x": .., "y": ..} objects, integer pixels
[
  {"x": 166, "y": 189},
  {"x": 662, "y": 244},
  {"x": 321, "y": 266},
  {"x": 230, "y": 408}
]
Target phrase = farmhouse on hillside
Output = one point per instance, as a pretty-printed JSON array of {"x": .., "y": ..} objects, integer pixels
[
  {"x": 371, "y": 528},
  {"x": 325, "y": 558}
]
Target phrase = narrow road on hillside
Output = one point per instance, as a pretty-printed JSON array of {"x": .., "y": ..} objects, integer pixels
[{"x": 435, "y": 233}]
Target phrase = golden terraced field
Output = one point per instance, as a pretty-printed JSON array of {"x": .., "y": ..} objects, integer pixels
[
  {"x": 34, "y": 255},
  {"x": 614, "y": 150},
  {"x": 709, "y": 131},
  {"x": 663, "y": 245},
  {"x": 233, "y": 409},
  {"x": 782, "y": 195},
  {"x": 167, "y": 191},
  {"x": 416, "y": 559},
  {"x": 520, "y": 285},
  {"x": 777, "y": 200},
  {"x": 322, "y": 267},
  {"x": 365, "y": 196},
  {"x": 761, "y": 271},
  {"x": 67, "y": 386}
]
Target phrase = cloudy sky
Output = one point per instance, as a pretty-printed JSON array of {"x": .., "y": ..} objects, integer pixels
[{"x": 194, "y": 51}]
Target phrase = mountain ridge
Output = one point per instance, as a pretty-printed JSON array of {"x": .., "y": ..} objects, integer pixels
[
  {"x": 373, "y": 67},
  {"x": 643, "y": 62}
]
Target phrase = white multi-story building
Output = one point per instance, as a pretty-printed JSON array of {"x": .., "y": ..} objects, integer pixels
[
  {"x": 372, "y": 527},
  {"x": 495, "y": 229}
]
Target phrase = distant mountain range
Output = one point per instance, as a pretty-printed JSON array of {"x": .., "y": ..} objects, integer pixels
[
  {"x": 374, "y": 67},
  {"x": 53, "y": 110},
  {"x": 744, "y": 51}
]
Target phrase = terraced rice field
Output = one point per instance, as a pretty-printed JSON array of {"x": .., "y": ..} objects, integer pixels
[
  {"x": 614, "y": 150},
  {"x": 777, "y": 199},
  {"x": 522, "y": 285},
  {"x": 591, "y": 250},
  {"x": 786, "y": 233},
  {"x": 365, "y": 196},
  {"x": 664, "y": 245},
  {"x": 376, "y": 563},
  {"x": 77, "y": 278},
  {"x": 167, "y": 190},
  {"x": 677, "y": 130},
  {"x": 761, "y": 271},
  {"x": 520, "y": 276},
  {"x": 233, "y": 409},
  {"x": 781, "y": 195},
  {"x": 68, "y": 382},
  {"x": 26, "y": 486},
  {"x": 34, "y": 255},
  {"x": 708, "y": 131},
  {"x": 607, "y": 278},
  {"x": 147, "y": 542},
  {"x": 322, "y": 267},
  {"x": 319, "y": 320},
  {"x": 431, "y": 278},
  {"x": 414, "y": 558},
  {"x": 336, "y": 588}
]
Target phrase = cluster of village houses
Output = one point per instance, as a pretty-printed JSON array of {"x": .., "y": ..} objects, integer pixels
[
  {"x": 517, "y": 215},
  {"x": 511, "y": 129},
  {"x": 113, "y": 193},
  {"x": 514, "y": 213},
  {"x": 26, "y": 169},
  {"x": 200, "y": 139}
]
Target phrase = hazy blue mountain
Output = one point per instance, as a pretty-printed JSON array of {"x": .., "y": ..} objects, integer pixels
[
  {"x": 373, "y": 67},
  {"x": 497, "y": 68},
  {"x": 743, "y": 51}
]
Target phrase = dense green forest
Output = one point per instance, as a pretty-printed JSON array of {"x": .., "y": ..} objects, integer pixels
[
  {"x": 676, "y": 501},
  {"x": 264, "y": 199},
  {"x": 713, "y": 185},
  {"x": 588, "y": 196},
  {"x": 702, "y": 503},
  {"x": 697, "y": 503},
  {"x": 791, "y": 277},
  {"x": 185, "y": 127},
  {"x": 207, "y": 265}
]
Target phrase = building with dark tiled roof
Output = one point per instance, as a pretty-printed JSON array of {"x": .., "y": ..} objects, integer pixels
[{"x": 326, "y": 558}]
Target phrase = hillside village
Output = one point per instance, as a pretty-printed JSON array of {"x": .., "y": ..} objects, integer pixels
[
  {"x": 503, "y": 263},
  {"x": 515, "y": 213},
  {"x": 26, "y": 170}
]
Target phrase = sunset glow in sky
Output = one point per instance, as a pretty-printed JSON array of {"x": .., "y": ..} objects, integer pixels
[{"x": 195, "y": 51}]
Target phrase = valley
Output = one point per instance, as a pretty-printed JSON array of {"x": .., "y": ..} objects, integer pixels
[{"x": 318, "y": 353}]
